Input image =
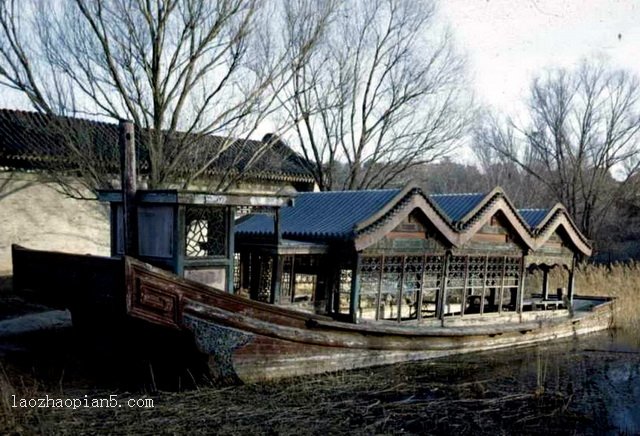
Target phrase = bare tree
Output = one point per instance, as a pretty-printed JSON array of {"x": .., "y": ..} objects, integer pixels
[
  {"x": 381, "y": 93},
  {"x": 498, "y": 170},
  {"x": 10, "y": 184},
  {"x": 581, "y": 142},
  {"x": 180, "y": 69}
]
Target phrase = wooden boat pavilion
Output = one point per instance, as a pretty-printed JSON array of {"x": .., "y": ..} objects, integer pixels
[{"x": 401, "y": 255}]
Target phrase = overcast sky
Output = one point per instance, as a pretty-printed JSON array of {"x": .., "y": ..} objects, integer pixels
[{"x": 508, "y": 41}]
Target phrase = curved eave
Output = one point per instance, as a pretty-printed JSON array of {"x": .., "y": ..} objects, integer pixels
[
  {"x": 478, "y": 208},
  {"x": 556, "y": 218},
  {"x": 382, "y": 212},
  {"x": 494, "y": 203},
  {"x": 374, "y": 228}
]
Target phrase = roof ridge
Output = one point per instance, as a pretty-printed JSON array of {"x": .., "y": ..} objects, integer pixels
[
  {"x": 46, "y": 115},
  {"x": 458, "y": 194},
  {"x": 111, "y": 123},
  {"x": 352, "y": 191}
]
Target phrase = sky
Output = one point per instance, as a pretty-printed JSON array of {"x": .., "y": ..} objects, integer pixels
[{"x": 507, "y": 42}]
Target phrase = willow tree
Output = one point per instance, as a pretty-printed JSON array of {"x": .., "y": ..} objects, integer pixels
[
  {"x": 181, "y": 70},
  {"x": 379, "y": 95}
]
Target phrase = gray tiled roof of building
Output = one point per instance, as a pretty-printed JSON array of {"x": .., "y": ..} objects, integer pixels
[
  {"x": 30, "y": 140},
  {"x": 533, "y": 217}
]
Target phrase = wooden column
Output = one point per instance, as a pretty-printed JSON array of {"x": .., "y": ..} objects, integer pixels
[
  {"x": 380, "y": 278},
  {"x": 504, "y": 272},
  {"x": 355, "y": 288},
  {"x": 129, "y": 187},
  {"x": 572, "y": 282},
  {"x": 442, "y": 298},
  {"x": 545, "y": 282},
  {"x": 276, "y": 278},
  {"x": 465, "y": 285},
  {"x": 520, "y": 295},
  {"x": 421, "y": 291},
  {"x": 401, "y": 289},
  {"x": 276, "y": 274},
  {"x": 484, "y": 284},
  {"x": 229, "y": 216}
]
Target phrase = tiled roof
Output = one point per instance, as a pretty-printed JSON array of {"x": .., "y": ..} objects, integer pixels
[
  {"x": 361, "y": 216},
  {"x": 321, "y": 214},
  {"x": 29, "y": 140},
  {"x": 533, "y": 217},
  {"x": 457, "y": 206}
]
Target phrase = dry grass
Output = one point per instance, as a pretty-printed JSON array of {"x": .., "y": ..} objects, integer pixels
[
  {"x": 428, "y": 398},
  {"x": 621, "y": 281}
]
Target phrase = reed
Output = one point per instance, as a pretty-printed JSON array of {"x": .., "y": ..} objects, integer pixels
[{"x": 619, "y": 280}]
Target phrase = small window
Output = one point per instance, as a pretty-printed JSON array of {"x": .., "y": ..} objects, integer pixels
[{"x": 206, "y": 232}]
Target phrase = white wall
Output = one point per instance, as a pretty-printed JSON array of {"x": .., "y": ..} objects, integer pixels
[{"x": 40, "y": 217}]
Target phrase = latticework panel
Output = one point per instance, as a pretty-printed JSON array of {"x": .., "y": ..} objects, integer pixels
[
  {"x": 286, "y": 288},
  {"x": 455, "y": 272},
  {"x": 494, "y": 271},
  {"x": 432, "y": 276},
  {"x": 390, "y": 287},
  {"x": 206, "y": 231},
  {"x": 237, "y": 272},
  {"x": 512, "y": 272},
  {"x": 344, "y": 289},
  {"x": 370, "y": 269},
  {"x": 266, "y": 274},
  {"x": 476, "y": 274},
  {"x": 412, "y": 283}
]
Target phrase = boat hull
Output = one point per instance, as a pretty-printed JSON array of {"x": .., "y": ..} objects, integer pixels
[
  {"x": 252, "y": 341},
  {"x": 249, "y": 341}
]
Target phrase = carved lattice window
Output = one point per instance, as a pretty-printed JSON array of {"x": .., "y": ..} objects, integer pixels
[
  {"x": 391, "y": 277},
  {"x": 344, "y": 297},
  {"x": 432, "y": 282},
  {"x": 369, "y": 285},
  {"x": 494, "y": 271},
  {"x": 206, "y": 231},
  {"x": 412, "y": 282},
  {"x": 237, "y": 272},
  {"x": 264, "y": 282},
  {"x": 511, "y": 271},
  {"x": 455, "y": 272}
]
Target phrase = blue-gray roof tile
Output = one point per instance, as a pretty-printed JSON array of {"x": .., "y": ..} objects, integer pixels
[
  {"x": 321, "y": 214},
  {"x": 456, "y": 206},
  {"x": 533, "y": 217}
]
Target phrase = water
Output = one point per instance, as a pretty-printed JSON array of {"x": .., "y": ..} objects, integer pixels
[
  {"x": 593, "y": 383},
  {"x": 587, "y": 385}
]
